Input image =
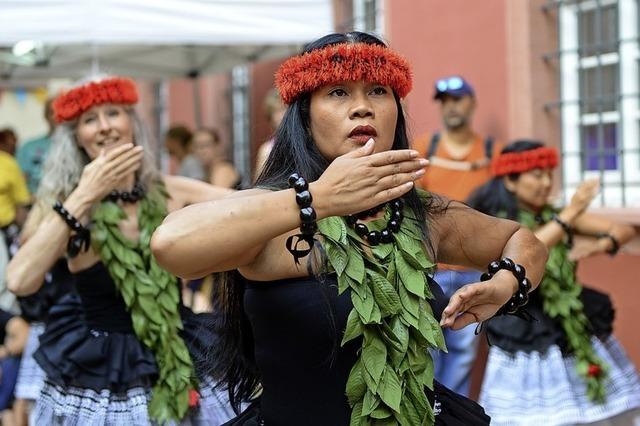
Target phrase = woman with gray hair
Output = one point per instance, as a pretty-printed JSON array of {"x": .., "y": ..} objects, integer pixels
[{"x": 128, "y": 351}]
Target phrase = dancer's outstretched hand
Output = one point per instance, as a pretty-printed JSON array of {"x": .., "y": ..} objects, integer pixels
[
  {"x": 360, "y": 180},
  {"x": 479, "y": 301}
]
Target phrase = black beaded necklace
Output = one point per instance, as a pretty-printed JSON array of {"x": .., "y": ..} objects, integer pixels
[
  {"x": 376, "y": 237},
  {"x": 135, "y": 195}
]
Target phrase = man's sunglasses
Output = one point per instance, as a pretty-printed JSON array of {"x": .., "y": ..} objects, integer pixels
[{"x": 451, "y": 83}]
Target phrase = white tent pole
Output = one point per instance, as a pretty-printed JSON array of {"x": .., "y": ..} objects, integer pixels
[
  {"x": 95, "y": 59},
  {"x": 197, "y": 111}
]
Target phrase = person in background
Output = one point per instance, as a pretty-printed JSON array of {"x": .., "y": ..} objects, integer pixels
[
  {"x": 182, "y": 162},
  {"x": 14, "y": 198},
  {"x": 459, "y": 162},
  {"x": 565, "y": 367},
  {"x": 274, "y": 108},
  {"x": 31, "y": 154},
  {"x": 8, "y": 141},
  {"x": 16, "y": 333},
  {"x": 209, "y": 150}
]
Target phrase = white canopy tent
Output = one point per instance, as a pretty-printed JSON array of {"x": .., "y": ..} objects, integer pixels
[
  {"x": 150, "y": 38},
  {"x": 153, "y": 40}
]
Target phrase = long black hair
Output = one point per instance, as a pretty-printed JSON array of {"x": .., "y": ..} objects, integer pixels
[
  {"x": 493, "y": 197},
  {"x": 294, "y": 151}
]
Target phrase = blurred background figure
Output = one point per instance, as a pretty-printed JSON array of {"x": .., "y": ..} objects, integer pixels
[
  {"x": 274, "y": 109},
  {"x": 14, "y": 198},
  {"x": 31, "y": 154},
  {"x": 16, "y": 334},
  {"x": 8, "y": 141},
  {"x": 182, "y": 162},
  {"x": 210, "y": 151},
  {"x": 459, "y": 163}
]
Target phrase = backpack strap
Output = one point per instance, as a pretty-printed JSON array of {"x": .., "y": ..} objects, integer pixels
[
  {"x": 488, "y": 147},
  {"x": 433, "y": 146}
]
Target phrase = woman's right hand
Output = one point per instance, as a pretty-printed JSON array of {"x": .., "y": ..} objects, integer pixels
[
  {"x": 360, "y": 180},
  {"x": 105, "y": 172},
  {"x": 583, "y": 196}
]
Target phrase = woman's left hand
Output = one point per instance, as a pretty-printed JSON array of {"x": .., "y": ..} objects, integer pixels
[{"x": 478, "y": 302}]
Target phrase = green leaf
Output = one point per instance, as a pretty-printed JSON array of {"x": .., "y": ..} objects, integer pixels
[
  {"x": 364, "y": 306},
  {"x": 386, "y": 422},
  {"x": 164, "y": 300},
  {"x": 355, "y": 268},
  {"x": 333, "y": 227},
  {"x": 390, "y": 339},
  {"x": 374, "y": 356},
  {"x": 376, "y": 315},
  {"x": 356, "y": 415},
  {"x": 430, "y": 329},
  {"x": 369, "y": 403},
  {"x": 118, "y": 271},
  {"x": 337, "y": 258},
  {"x": 356, "y": 385},
  {"x": 99, "y": 235},
  {"x": 382, "y": 251},
  {"x": 426, "y": 378},
  {"x": 410, "y": 303},
  {"x": 411, "y": 413},
  {"x": 390, "y": 389},
  {"x": 149, "y": 308},
  {"x": 381, "y": 412},
  {"x": 182, "y": 401},
  {"x": 354, "y": 327},
  {"x": 368, "y": 380},
  {"x": 401, "y": 332},
  {"x": 412, "y": 279},
  {"x": 386, "y": 296},
  {"x": 182, "y": 354},
  {"x": 415, "y": 392}
]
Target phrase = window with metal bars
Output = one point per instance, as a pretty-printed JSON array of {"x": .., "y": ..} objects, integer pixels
[
  {"x": 600, "y": 109},
  {"x": 367, "y": 16}
]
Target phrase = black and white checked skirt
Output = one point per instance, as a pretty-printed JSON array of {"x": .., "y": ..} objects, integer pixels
[{"x": 527, "y": 389}]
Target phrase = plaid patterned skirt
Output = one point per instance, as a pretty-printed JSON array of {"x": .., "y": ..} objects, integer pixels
[{"x": 544, "y": 389}]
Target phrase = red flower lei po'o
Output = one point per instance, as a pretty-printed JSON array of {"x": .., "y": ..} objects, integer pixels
[
  {"x": 343, "y": 62},
  {"x": 72, "y": 104},
  {"x": 520, "y": 162}
]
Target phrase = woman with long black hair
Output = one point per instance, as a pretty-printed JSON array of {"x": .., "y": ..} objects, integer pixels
[
  {"x": 565, "y": 367},
  {"x": 332, "y": 323}
]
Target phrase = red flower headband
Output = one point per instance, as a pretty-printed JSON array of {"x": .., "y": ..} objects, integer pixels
[
  {"x": 520, "y": 162},
  {"x": 338, "y": 62},
  {"x": 72, "y": 104}
]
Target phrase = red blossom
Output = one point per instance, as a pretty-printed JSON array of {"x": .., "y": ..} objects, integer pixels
[
  {"x": 594, "y": 370},
  {"x": 345, "y": 61},
  {"x": 194, "y": 398},
  {"x": 72, "y": 104}
]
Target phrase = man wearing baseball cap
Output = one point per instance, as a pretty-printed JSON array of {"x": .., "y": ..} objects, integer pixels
[{"x": 459, "y": 163}]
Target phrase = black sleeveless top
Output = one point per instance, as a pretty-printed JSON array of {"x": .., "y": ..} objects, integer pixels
[
  {"x": 104, "y": 307},
  {"x": 297, "y": 328}
]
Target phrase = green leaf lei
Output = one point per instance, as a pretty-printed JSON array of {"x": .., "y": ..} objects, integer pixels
[
  {"x": 392, "y": 314},
  {"x": 151, "y": 295},
  {"x": 561, "y": 300}
]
